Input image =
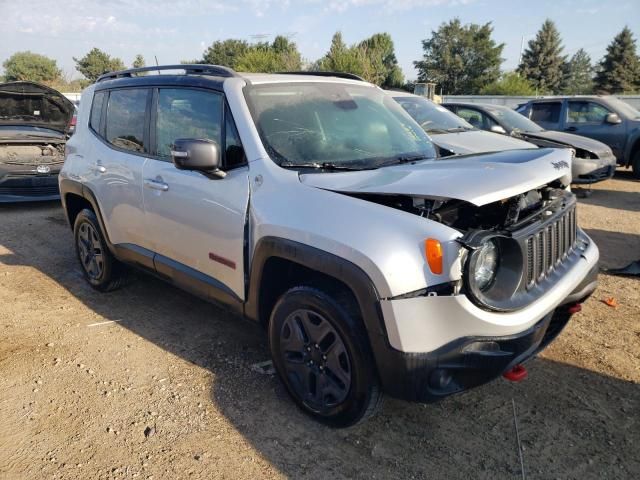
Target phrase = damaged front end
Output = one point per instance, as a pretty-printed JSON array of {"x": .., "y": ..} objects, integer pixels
[
  {"x": 516, "y": 249},
  {"x": 29, "y": 172}
]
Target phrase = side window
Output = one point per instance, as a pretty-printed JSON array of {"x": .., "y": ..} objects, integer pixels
[
  {"x": 234, "y": 153},
  {"x": 125, "y": 118},
  {"x": 186, "y": 113},
  {"x": 472, "y": 116},
  {"x": 586, "y": 112},
  {"x": 96, "y": 111},
  {"x": 546, "y": 112}
]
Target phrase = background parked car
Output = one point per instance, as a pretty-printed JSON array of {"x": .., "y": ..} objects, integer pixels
[
  {"x": 449, "y": 132},
  {"x": 607, "y": 119},
  {"x": 34, "y": 122},
  {"x": 594, "y": 160}
]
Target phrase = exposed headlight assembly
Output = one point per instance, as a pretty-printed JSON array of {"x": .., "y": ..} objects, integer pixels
[
  {"x": 485, "y": 265},
  {"x": 493, "y": 270}
]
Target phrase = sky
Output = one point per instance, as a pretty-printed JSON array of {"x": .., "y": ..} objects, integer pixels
[{"x": 182, "y": 29}]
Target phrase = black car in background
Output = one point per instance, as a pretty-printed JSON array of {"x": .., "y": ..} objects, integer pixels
[
  {"x": 603, "y": 118},
  {"x": 34, "y": 123},
  {"x": 594, "y": 161}
]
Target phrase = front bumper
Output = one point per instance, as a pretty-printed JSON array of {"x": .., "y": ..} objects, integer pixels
[
  {"x": 448, "y": 345},
  {"x": 468, "y": 362},
  {"x": 28, "y": 187},
  {"x": 593, "y": 170}
]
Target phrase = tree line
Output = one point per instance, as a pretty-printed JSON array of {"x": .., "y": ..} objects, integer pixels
[{"x": 458, "y": 58}]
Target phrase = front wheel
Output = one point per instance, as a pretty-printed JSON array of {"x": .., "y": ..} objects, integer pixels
[{"x": 321, "y": 352}]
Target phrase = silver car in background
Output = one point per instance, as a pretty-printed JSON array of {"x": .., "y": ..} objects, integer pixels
[
  {"x": 452, "y": 134},
  {"x": 594, "y": 161}
]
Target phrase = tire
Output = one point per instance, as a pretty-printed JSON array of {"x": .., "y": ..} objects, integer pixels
[
  {"x": 100, "y": 268},
  {"x": 321, "y": 352},
  {"x": 635, "y": 165}
]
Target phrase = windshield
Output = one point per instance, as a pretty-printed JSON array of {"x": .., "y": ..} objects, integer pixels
[
  {"x": 514, "y": 121},
  {"x": 433, "y": 118},
  {"x": 626, "y": 109},
  {"x": 313, "y": 124}
]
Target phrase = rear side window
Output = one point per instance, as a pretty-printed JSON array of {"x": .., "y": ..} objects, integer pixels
[
  {"x": 546, "y": 112},
  {"x": 125, "y": 119},
  {"x": 96, "y": 111},
  {"x": 186, "y": 113}
]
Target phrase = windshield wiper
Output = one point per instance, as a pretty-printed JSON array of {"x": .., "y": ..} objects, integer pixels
[
  {"x": 400, "y": 159},
  {"x": 322, "y": 166},
  {"x": 436, "y": 130}
]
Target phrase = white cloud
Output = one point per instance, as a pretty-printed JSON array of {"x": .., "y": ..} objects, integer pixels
[{"x": 393, "y": 5}]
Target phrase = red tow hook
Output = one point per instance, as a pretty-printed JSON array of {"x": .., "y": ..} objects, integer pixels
[
  {"x": 516, "y": 374},
  {"x": 575, "y": 308}
]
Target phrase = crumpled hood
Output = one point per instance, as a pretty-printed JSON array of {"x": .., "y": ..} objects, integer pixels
[
  {"x": 477, "y": 179},
  {"x": 33, "y": 105},
  {"x": 478, "y": 141},
  {"x": 570, "y": 140}
]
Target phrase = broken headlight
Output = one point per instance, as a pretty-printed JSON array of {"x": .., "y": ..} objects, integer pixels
[{"x": 485, "y": 265}]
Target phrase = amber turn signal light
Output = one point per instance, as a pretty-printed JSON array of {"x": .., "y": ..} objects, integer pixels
[{"x": 433, "y": 251}]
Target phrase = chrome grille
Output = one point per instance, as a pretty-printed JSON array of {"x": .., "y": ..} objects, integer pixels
[{"x": 547, "y": 248}]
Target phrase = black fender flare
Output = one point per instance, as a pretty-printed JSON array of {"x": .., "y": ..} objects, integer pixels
[
  {"x": 331, "y": 265},
  {"x": 77, "y": 188}
]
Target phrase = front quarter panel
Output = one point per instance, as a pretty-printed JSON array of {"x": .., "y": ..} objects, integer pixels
[{"x": 385, "y": 243}]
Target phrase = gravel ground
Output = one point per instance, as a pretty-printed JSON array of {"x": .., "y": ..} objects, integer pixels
[{"x": 150, "y": 382}]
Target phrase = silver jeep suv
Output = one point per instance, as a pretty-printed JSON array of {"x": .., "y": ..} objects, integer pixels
[{"x": 315, "y": 205}]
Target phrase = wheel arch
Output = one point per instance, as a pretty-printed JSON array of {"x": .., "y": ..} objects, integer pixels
[
  {"x": 279, "y": 264},
  {"x": 75, "y": 197}
]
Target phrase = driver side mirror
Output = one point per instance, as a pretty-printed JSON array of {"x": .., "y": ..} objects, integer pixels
[
  {"x": 613, "y": 119},
  {"x": 199, "y": 155},
  {"x": 498, "y": 129}
]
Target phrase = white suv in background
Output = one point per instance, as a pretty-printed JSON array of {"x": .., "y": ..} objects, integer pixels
[{"x": 315, "y": 205}]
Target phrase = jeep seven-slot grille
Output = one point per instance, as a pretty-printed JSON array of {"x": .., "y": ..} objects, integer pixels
[{"x": 549, "y": 247}]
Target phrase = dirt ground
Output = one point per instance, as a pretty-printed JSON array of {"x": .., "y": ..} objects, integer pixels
[{"x": 77, "y": 394}]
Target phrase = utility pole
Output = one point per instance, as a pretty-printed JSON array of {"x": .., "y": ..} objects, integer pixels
[{"x": 521, "y": 50}]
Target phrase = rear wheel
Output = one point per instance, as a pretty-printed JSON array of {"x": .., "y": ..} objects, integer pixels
[
  {"x": 99, "y": 266},
  {"x": 321, "y": 353}
]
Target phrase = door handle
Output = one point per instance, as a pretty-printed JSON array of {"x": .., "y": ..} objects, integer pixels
[
  {"x": 156, "y": 185},
  {"x": 570, "y": 129}
]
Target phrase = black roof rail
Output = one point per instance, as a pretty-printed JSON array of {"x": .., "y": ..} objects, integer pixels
[
  {"x": 189, "y": 69},
  {"x": 348, "y": 76}
]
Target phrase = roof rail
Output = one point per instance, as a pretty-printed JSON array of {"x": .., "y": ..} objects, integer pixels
[
  {"x": 349, "y": 76},
  {"x": 189, "y": 69}
]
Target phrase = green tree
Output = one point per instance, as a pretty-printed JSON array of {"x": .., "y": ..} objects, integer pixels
[
  {"x": 619, "y": 70},
  {"x": 97, "y": 62},
  {"x": 542, "y": 62},
  {"x": 461, "y": 59},
  {"x": 510, "y": 83},
  {"x": 373, "y": 59},
  {"x": 32, "y": 67},
  {"x": 380, "y": 50},
  {"x": 578, "y": 74},
  {"x": 139, "y": 62},
  {"x": 280, "y": 56},
  {"x": 225, "y": 53},
  {"x": 340, "y": 58}
]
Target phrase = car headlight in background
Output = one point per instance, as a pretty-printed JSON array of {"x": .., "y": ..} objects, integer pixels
[{"x": 486, "y": 265}]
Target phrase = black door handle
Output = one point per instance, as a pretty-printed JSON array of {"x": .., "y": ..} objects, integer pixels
[{"x": 570, "y": 129}]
